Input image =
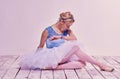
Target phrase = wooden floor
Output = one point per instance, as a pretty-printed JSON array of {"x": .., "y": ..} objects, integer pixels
[{"x": 9, "y": 69}]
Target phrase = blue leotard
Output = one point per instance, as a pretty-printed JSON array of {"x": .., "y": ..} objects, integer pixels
[{"x": 54, "y": 43}]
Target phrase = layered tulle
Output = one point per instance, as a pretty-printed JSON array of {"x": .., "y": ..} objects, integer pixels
[{"x": 47, "y": 57}]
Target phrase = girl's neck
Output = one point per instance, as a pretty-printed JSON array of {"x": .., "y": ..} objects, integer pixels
[{"x": 57, "y": 26}]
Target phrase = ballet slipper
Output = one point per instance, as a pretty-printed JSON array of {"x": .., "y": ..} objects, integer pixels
[{"x": 107, "y": 68}]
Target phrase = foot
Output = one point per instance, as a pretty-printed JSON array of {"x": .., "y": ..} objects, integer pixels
[{"x": 107, "y": 68}]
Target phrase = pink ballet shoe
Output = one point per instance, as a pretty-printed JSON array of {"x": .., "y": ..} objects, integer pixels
[{"x": 108, "y": 69}]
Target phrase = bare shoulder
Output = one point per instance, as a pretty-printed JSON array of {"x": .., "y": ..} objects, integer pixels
[{"x": 44, "y": 32}]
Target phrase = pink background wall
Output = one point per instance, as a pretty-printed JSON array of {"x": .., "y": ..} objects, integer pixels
[{"x": 97, "y": 24}]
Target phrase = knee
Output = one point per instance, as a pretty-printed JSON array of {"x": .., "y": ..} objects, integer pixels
[
  {"x": 76, "y": 47},
  {"x": 83, "y": 62}
]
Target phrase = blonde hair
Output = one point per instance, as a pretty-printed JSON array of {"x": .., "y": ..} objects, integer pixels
[{"x": 65, "y": 16}]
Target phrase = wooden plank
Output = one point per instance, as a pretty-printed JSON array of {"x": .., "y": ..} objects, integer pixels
[
  {"x": 2, "y": 60},
  {"x": 47, "y": 74},
  {"x": 4, "y": 68},
  {"x": 95, "y": 74},
  {"x": 83, "y": 74},
  {"x": 113, "y": 62},
  {"x": 107, "y": 75},
  {"x": 34, "y": 74},
  {"x": 12, "y": 72},
  {"x": 59, "y": 74},
  {"x": 110, "y": 60},
  {"x": 115, "y": 65},
  {"x": 116, "y": 57},
  {"x": 9, "y": 70},
  {"x": 118, "y": 62},
  {"x": 71, "y": 74},
  {"x": 22, "y": 74}
]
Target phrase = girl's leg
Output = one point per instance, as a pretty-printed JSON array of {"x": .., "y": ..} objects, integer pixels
[
  {"x": 69, "y": 55},
  {"x": 71, "y": 65},
  {"x": 83, "y": 57},
  {"x": 64, "y": 64},
  {"x": 89, "y": 59}
]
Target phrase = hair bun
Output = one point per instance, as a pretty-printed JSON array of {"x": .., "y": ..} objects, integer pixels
[{"x": 66, "y": 15}]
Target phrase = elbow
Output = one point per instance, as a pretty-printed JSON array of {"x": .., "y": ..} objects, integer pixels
[
  {"x": 70, "y": 38},
  {"x": 73, "y": 38}
]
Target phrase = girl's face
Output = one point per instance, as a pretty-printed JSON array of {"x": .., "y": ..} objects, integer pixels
[{"x": 66, "y": 25}]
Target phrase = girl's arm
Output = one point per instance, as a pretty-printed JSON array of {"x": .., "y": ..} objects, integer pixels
[
  {"x": 70, "y": 37},
  {"x": 43, "y": 39}
]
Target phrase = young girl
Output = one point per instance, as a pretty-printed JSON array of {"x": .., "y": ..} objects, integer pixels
[{"x": 62, "y": 49}]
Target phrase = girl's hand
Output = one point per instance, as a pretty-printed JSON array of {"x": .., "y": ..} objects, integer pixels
[{"x": 55, "y": 38}]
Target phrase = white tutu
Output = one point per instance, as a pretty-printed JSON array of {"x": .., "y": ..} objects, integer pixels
[{"x": 47, "y": 57}]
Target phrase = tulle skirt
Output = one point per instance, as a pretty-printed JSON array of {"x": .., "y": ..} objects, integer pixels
[{"x": 48, "y": 57}]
